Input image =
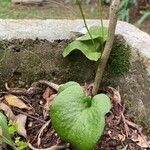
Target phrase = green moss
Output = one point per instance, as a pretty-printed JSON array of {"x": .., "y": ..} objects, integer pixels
[
  {"x": 119, "y": 61},
  {"x": 41, "y": 59}
]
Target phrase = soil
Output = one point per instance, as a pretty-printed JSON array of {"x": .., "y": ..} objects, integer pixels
[{"x": 114, "y": 137}]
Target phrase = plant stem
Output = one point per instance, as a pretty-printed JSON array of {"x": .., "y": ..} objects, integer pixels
[
  {"x": 101, "y": 19},
  {"x": 83, "y": 17},
  {"x": 114, "y": 9}
]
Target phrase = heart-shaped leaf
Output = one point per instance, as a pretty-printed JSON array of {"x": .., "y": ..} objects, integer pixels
[
  {"x": 86, "y": 47},
  {"x": 78, "y": 119},
  {"x": 96, "y": 32},
  {"x": 66, "y": 85}
]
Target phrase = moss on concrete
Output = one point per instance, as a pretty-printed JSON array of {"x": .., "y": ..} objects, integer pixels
[
  {"x": 29, "y": 60},
  {"x": 135, "y": 91},
  {"x": 119, "y": 61}
]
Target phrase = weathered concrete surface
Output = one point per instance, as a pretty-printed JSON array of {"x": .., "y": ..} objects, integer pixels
[
  {"x": 61, "y": 29},
  {"x": 27, "y": 61},
  {"x": 134, "y": 86}
]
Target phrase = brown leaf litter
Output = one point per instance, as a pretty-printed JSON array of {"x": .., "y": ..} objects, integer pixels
[{"x": 32, "y": 112}]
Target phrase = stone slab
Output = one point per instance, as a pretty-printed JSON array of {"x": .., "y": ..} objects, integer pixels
[{"x": 62, "y": 29}]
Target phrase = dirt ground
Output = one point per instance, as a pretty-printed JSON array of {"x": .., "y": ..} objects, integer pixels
[{"x": 120, "y": 132}]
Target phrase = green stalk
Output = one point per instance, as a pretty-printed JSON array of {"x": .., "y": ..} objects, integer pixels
[
  {"x": 83, "y": 17},
  {"x": 7, "y": 141},
  {"x": 100, "y": 9}
]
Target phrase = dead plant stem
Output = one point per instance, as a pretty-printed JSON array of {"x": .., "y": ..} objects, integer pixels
[{"x": 114, "y": 8}]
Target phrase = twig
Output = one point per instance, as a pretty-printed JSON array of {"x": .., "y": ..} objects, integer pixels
[
  {"x": 133, "y": 125},
  {"x": 19, "y": 111},
  {"x": 55, "y": 147},
  {"x": 1, "y": 98},
  {"x": 127, "y": 130},
  {"x": 41, "y": 131},
  {"x": 107, "y": 49},
  {"x": 50, "y": 84},
  {"x": 18, "y": 91}
]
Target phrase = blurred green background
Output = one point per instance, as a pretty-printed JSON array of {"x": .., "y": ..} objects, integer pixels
[{"x": 134, "y": 11}]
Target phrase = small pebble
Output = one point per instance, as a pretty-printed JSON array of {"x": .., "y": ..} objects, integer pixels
[
  {"x": 41, "y": 102},
  {"x": 56, "y": 134},
  {"x": 30, "y": 124}
]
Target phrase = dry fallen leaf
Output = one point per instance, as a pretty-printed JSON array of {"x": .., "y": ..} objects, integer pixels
[
  {"x": 8, "y": 112},
  {"x": 20, "y": 119},
  {"x": 48, "y": 92},
  {"x": 47, "y": 104},
  {"x": 122, "y": 137},
  {"x": 13, "y": 100},
  {"x": 115, "y": 95},
  {"x": 140, "y": 140},
  {"x": 48, "y": 96}
]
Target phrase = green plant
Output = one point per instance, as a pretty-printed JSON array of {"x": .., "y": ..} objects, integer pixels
[
  {"x": 92, "y": 42},
  {"x": 145, "y": 15},
  {"x": 12, "y": 128},
  {"x": 119, "y": 60},
  {"x": 79, "y": 119},
  {"x": 124, "y": 9},
  {"x": 84, "y": 43},
  {"x": 6, "y": 133},
  {"x": 5, "y": 136},
  {"x": 21, "y": 145}
]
